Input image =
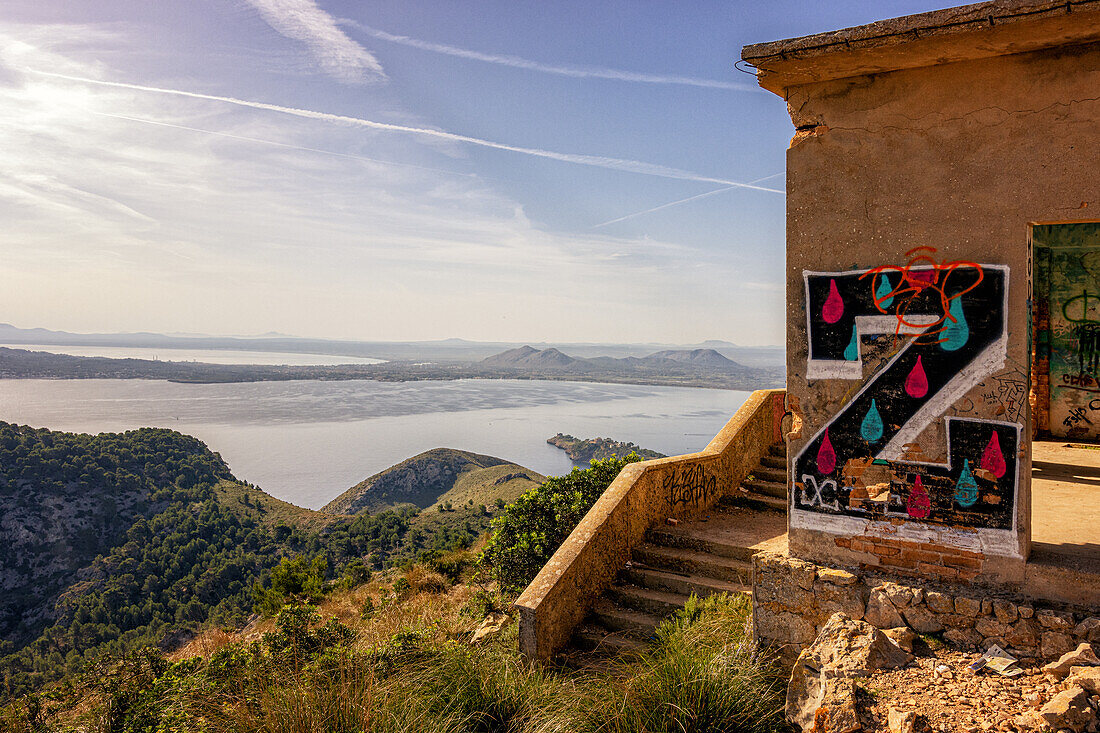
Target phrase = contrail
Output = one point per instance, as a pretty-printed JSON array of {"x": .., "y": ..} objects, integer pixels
[
  {"x": 683, "y": 201},
  {"x": 620, "y": 164},
  {"x": 303, "y": 21},
  {"x": 278, "y": 144},
  {"x": 517, "y": 62}
]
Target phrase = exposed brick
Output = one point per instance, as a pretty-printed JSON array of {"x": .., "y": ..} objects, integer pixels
[
  {"x": 862, "y": 545},
  {"x": 933, "y": 558},
  {"x": 885, "y": 550},
  {"x": 962, "y": 562},
  {"x": 843, "y": 542},
  {"x": 899, "y": 562},
  {"x": 937, "y": 570}
]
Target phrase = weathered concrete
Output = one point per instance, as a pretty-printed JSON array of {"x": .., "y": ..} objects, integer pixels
[
  {"x": 952, "y": 131},
  {"x": 643, "y": 494}
]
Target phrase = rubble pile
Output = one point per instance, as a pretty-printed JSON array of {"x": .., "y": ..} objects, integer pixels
[{"x": 855, "y": 677}]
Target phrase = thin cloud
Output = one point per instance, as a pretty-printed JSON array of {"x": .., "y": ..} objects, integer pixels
[
  {"x": 620, "y": 164},
  {"x": 577, "y": 72},
  {"x": 302, "y": 20},
  {"x": 276, "y": 143},
  {"x": 684, "y": 201}
]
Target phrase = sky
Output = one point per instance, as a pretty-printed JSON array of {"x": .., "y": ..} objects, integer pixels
[{"x": 512, "y": 170}]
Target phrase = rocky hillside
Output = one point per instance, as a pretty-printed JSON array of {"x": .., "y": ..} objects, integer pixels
[
  {"x": 425, "y": 478},
  {"x": 109, "y": 541}
]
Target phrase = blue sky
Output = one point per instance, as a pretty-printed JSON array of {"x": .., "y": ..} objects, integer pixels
[{"x": 398, "y": 170}]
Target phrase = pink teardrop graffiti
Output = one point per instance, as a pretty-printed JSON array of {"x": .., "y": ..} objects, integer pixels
[
  {"x": 826, "y": 456},
  {"x": 993, "y": 460},
  {"x": 916, "y": 384},
  {"x": 834, "y": 305},
  {"x": 918, "y": 505}
]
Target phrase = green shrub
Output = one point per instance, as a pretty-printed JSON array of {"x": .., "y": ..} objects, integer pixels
[
  {"x": 532, "y": 528},
  {"x": 293, "y": 579}
]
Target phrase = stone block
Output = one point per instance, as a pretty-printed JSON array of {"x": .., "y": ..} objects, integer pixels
[
  {"x": 1054, "y": 644},
  {"x": 956, "y": 621},
  {"x": 1068, "y": 709},
  {"x": 968, "y": 606},
  {"x": 903, "y": 636},
  {"x": 1088, "y": 630},
  {"x": 783, "y": 627},
  {"x": 989, "y": 626},
  {"x": 1086, "y": 677},
  {"x": 1024, "y": 634},
  {"x": 837, "y": 576},
  {"x": 922, "y": 620},
  {"x": 1082, "y": 656},
  {"x": 1026, "y": 611},
  {"x": 881, "y": 613},
  {"x": 987, "y": 607},
  {"x": 1055, "y": 620},
  {"x": 939, "y": 602},
  {"x": 795, "y": 598},
  {"x": 1005, "y": 611},
  {"x": 963, "y": 638},
  {"x": 901, "y": 596}
]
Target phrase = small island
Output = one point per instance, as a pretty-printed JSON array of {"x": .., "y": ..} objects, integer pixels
[{"x": 587, "y": 449}]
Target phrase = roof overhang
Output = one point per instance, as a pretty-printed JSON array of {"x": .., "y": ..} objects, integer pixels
[{"x": 964, "y": 33}]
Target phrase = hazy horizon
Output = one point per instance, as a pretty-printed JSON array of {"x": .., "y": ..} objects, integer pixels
[{"x": 412, "y": 171}]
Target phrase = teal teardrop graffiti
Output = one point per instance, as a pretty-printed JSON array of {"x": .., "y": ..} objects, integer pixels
[
  {"x": 885, "y": 287},
  {"x": 956, "y": 332},
  {"x": 871, "y": 428},
  {"x": 966, "y": 488},
  {"x": 851, "y": 352}
]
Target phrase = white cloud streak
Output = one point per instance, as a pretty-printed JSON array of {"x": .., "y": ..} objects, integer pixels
[
  {"x": 340, "y": 56},
  {"x": 276, "y": 143},
  {"x": 577, "y": 72},
  {"x": 620, "y": 164},
  {"x": 684, "y": 201}
]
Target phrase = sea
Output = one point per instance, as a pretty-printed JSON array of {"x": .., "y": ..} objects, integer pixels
[{"x": 307, "y": 441}]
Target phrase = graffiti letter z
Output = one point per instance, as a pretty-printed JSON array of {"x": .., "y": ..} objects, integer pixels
[{"x": 953, "y": 319}]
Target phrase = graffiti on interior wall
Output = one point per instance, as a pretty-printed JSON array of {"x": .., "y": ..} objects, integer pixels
[
  {"x": 949, "y": 322},
  {"x": 1067, "y": 279}
]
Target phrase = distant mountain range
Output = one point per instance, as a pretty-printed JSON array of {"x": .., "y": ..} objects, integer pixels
[
  {"x": 670, "y": 362},
  {"x": 451, "y": 349}
]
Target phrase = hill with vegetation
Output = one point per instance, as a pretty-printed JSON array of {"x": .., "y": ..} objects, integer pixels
[
  {"x": 397, "y": 652},
  {"x": 423, "y": 481},
  {"x": 588, "y": 449}
]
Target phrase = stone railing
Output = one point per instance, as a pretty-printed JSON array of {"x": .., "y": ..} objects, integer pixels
[{"x": 643, "y": 494}]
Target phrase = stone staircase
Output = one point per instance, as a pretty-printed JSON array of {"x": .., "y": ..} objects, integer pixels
[{"x": 711, "y": 554}]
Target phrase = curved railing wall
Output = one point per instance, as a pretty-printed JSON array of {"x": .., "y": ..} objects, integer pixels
[{"x": 643, "y": 494}]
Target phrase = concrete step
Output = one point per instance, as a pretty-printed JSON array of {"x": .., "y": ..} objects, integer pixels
[
  {"x": 779, "y": 462},
  {"x": 691, "y": 538},
  {"x": 597, "y": 638},
  {"x": 774, "y": 475},
  {"x": 681, "y": 584},
  {"x": 691, "y": 562},
  {"x": 660, "y": 603},
  {"x": 614, "y": 617},
  {"x": 768, "y": 488},
  {"x": 752, "y": 500},
  {"x": 778, "y": 449}
]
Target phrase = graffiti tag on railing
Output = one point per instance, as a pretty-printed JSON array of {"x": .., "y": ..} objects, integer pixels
[{"x": 689, "y": 485}]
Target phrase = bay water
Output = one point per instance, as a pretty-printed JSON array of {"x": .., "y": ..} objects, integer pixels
[{"x": 307, "y": 441}]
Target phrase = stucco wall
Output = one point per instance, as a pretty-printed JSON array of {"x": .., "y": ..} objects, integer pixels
[{"x": 958, "y": 159}]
